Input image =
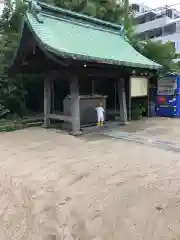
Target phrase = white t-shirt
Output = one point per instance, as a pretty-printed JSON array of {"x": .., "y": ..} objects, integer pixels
[{"x": 100, "y": 111}]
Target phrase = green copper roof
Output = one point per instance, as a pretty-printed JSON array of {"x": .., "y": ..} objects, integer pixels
[{"x": 79, "y": 37}]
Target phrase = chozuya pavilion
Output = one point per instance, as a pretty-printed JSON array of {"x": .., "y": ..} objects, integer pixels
[{"x": 82, "y": 52}]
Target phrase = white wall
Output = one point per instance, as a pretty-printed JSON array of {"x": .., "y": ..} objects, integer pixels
[
  {"x": 173, "y": 37},
  {"x": 157, "y": 23}
]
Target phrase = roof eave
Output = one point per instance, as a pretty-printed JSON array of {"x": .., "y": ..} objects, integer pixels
[{"x": 100, "y": 60}]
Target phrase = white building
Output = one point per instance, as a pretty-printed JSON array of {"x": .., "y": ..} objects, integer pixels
[{"x": 161, "y": 24}]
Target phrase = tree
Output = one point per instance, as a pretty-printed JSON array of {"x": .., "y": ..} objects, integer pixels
[
  {"x": 10, "y": 25},
  {"x": 108, "y": 10},
  {"x": 11, "y": 91},
  {"x": 162, "y": 53}
]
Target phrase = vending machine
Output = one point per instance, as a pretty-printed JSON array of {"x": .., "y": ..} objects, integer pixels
[{"x": 168, "y": 96}]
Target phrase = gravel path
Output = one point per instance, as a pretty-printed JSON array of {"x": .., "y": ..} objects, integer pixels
[{"x": 54, "y": 186}]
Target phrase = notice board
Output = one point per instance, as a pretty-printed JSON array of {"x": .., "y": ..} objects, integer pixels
[{"x": 139, "y": 86}]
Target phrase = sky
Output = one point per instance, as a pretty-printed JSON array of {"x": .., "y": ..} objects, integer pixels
[{"x": 159, "y": 3}]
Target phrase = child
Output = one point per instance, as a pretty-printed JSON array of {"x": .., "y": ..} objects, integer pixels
[{"x": 100, "y": 115}]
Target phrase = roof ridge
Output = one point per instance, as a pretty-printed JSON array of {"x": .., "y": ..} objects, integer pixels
[
  {"x": 80, "y": 16},
  {"x": 86, "y": 25}
]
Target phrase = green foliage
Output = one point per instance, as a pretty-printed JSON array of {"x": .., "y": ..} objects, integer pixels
[
  {"x": 10, "y": 25},
  {"x": 137, "y": 113},
  {"x": 11, "y": 91},
  {"x": 138, "y": 108},
  {"x": 3, "y": 111},
  {"x": 107, "y": 10},
  {"x": 176, "y": 66},
  {"x": 162, "y": 53},
  {"x": 9, "y": 126},
  {"x": 74, "y": 5},
  {"x": 12, "y": 97}
]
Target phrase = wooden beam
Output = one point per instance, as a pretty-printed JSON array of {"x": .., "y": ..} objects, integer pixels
[
  {"x": 60, "y": 117},
  {"x": 100, "y": 73},
  {"x": 69, "y": 72}
]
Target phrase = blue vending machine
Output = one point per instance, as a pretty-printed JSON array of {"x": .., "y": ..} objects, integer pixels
[{"x": 168, "y": 96}]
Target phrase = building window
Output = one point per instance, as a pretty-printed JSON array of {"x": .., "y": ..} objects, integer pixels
[
  {"x": 170, "y": 29},
  {"x": 169, "y": 13},
  {"x": 135, "y": 7},
  {"x": 141, "y": 20},
  {"x": 176, "y": 16},
  {"x": 155, "y": 33},
  {"x": 152, "y": 17}
]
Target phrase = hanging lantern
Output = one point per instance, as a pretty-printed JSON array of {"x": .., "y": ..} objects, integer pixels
[{"x": 134, "y": 72}]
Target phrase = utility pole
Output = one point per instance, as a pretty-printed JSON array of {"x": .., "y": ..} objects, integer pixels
[{"x": 126, "y": 13}]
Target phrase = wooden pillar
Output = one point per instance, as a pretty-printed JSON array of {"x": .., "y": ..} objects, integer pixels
[
  {"x": 122, "y": 101},
  {"x": 47, "y": 101},
  {"x": 149, "y": 99},
  {"x": 75, "y": 109},
  {"x": 129, "y": 94}
]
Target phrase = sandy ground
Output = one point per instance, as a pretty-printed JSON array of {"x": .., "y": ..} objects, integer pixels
[
  {"x": 159, "y": 128},
  {"x": 54, "y": 186}
]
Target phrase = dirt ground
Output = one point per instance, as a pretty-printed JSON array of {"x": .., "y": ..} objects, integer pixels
[{"x": 57, "y": 187}]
